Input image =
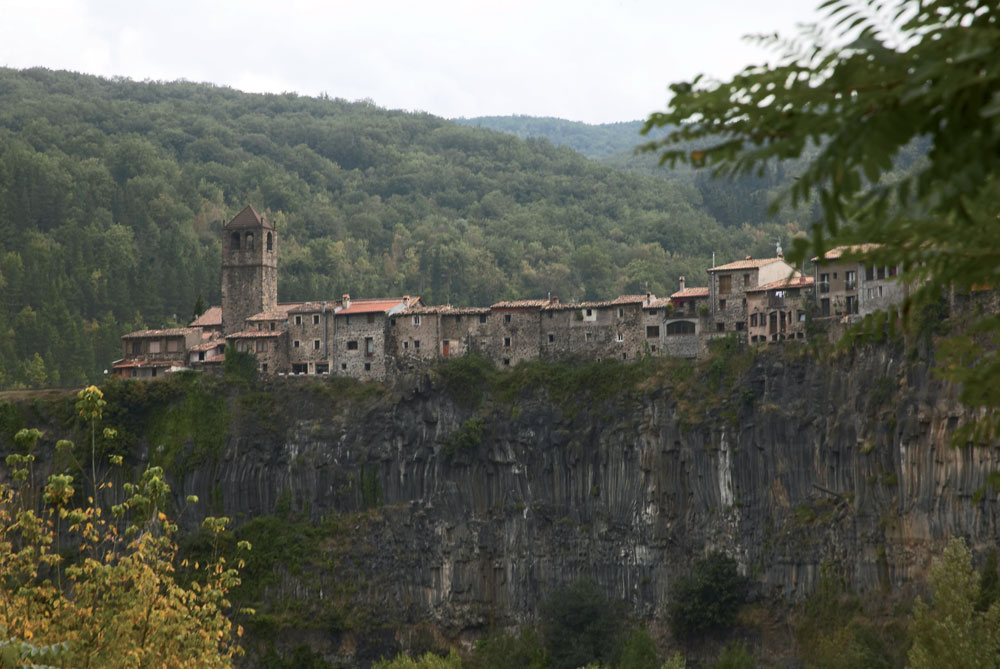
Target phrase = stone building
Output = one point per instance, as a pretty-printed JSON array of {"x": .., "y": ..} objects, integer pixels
[
  {"x": 360, "y": 334},
  {"x": 686, "y": 321},
  {"x": 249, "y": 269},
  {"x": 594, "y": 330},
  {"x": 727, "y": 286},
  {"x": 309, "y": 326},
  {"x": 152, "y": 353},
  {"x": 513, "y": 331},
  {"x": 777, "y": 311},
  {"x": 269, "y": 346}
]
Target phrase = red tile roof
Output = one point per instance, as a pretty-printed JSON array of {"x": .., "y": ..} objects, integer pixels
[
  {"x": 279, "y": 313},
  {"x": 248, "y": 218},
  {"x": 309, "y": 307},
  {"x": 853, "y": 249},
  {"x": 690, "y": 293},
  {"x": 170, "y": 332},
  {"x": 208, "y": 345},
  {"x": 125, "y": 364},
  {"x": 382, "y": 305},
  {"x": 520, "y": 304},
  {"x": 255, "y": 334},
  {"x": 751, "y": 263},
  {"x": 211, "y": 318},
  {"x": 784, "y": 284}
]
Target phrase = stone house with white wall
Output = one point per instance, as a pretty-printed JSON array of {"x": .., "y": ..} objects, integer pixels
[
  {"x": 777, "y": 311},
  {"x": 727, "y": 286}
]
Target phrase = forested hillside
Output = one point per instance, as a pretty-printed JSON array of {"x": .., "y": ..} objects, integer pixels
[
  {"x": 113, "y": 192},
  {"x": 592, "y": 140}
]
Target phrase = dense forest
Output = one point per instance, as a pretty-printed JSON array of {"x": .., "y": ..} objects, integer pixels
[{"x": 113, "y": 193}]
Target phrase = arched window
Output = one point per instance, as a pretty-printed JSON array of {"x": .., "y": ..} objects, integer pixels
[
  {"x": 234, "y": 242},
  {"x": 270, "y": 242},
  {"x": 680, "y": 328},
  {"x": 249, "y": 241}
]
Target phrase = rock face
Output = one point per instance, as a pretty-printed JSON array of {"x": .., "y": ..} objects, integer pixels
[
  {"x": 464, "y": 514},
  {"x": 802, "y": 465}
]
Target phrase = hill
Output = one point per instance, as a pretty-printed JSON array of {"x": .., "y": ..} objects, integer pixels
[{"x": 113, "y": 193}]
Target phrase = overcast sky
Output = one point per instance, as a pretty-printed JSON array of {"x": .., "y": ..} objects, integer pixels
[{"x": 587, "y": 60}]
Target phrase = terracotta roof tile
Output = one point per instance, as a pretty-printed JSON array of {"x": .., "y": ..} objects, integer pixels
[
  {"x": 690, "y": 293},
  {"x": 211, "y": 318},
  {"x": 520, "y": 304},
  {"x": 752, "y": 263},
  {"x": 248, "y": 218},
  {"x": 784, "y": 284},
  {"x": 279, "y": 313},
  {"x": 371, "y": 306},
  {"x": 170, "y": 332},
  {"x": 255, "y": 334},
  {"x": 125, "y": 364},
  {"x": 208, "y": 345},
  {"x": 856, "y": 249}
]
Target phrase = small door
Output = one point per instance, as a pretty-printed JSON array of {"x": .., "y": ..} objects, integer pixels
[{"x": 444, "y": 348}]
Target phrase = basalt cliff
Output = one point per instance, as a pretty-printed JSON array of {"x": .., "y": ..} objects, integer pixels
[{"x": 458, "y": 499}]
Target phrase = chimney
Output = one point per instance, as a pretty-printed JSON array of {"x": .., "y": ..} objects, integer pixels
[
  {"x": 748, "y": 257},
  {"x": 681, "y": 282},
  {"x": 555, "y": 299},
  {"x": 346, "y": 299}
]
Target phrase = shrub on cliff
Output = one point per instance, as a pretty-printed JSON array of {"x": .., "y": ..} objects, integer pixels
[
  {"x": 707, "y": 598},
  {"x": 580, "y": 625}
]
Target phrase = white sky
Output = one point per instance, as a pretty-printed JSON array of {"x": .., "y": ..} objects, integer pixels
[{"x": 586, "y": 60}]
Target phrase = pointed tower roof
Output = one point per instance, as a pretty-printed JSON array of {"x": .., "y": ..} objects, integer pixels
[{"x": 249, "y": 218}]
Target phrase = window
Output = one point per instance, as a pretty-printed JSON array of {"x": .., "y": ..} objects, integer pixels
[
  {"x": 590, "y": 312},
  {"x": 249, "y": 241},
  {"x": 263, "y": 367},
  {"x": 725, "y": 284},
  {"x": 506, "y": 362},
  {"x": 620, "y": 337},
  {"x": 506, "y": 342},
  {"x": 869, "y": 273},
  {"x": 153, "y": 373},
  {"x": 298, "y": 320},
  {"x": 482, "y": 318},
  {"x": 746, "y": 280},
  {"x": 740, "y": 325},
  {"x": 272, "y": 325},
  {"x": 722, "y": 305},
  {"x": 295, "y": 344},
  {"x": 801, "y": 315},
  {"x": 241, "y": 346},
  {"x": 680, "y": 328},
  {"x": 270, "y": 242},
  {"x": 154, "y": 347},
  {"x": 300, "y": 368},
  {"x": 621, "y": 313},
  {"x": 173, "y": 345},
  {"x": 652, "y": 312},
  {"x": 458, "y": 319},
  {"x": 370, "y": 346},
  {"x": 588, "y": 336},
  {"x": 652, "y": 331},
  {"x": 315, "y": 344},
  {"x": 552, "y": 337},
  {"x": 824, "y": 306},
  {"x": 322, "y": 368},
  {"x": 392, "y": 322},
  {"x": 136, "y": 347},
  {"x": 343, "y": 366},
  {"x": 234, "y": 242},
  {"x": 850, "y": 280},
  {"x": 851, "y": 305},
  {"x": 824, "y": 283},
  {"x": 881, "y": 272},
  {"x": 753, "y": 321},
  {"x": 416, "y": 343},
  {"x": 416, "y": 320},
  {"x": 892, "y": 271},
  {"x": 720, "y": 327},
  {"x": 261, "y": 345},
  {"x": 406, "y": 345},
  {"x": 624, "y": 356},
  {"x": 834, "y": 275},
  {"x": 368, "y": 366},
  {"x": 352, "y": 345},
  {"x": 315, "y": 319},
  {"x": 371, "y": 318},
  {"x": 506, "y": 318}
]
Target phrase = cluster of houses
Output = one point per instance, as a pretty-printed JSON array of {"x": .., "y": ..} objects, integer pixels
[{"x": 761, "y": 301}]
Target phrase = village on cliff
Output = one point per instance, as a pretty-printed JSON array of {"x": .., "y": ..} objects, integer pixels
[{"x": 758, "y": 300}]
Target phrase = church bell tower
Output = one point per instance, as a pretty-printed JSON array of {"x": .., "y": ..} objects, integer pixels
[{"x": 249, "y": 269}]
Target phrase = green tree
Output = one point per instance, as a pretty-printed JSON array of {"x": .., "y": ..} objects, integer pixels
[
  {"x": 708, "y": 597},
  {"x": 639, "y": 651},
  {"x": 34, "y": 370},
  {"x": 896, "y": 75},
  {"x": 579, "y": 625},
  {"x": 950, "y": 632}
]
